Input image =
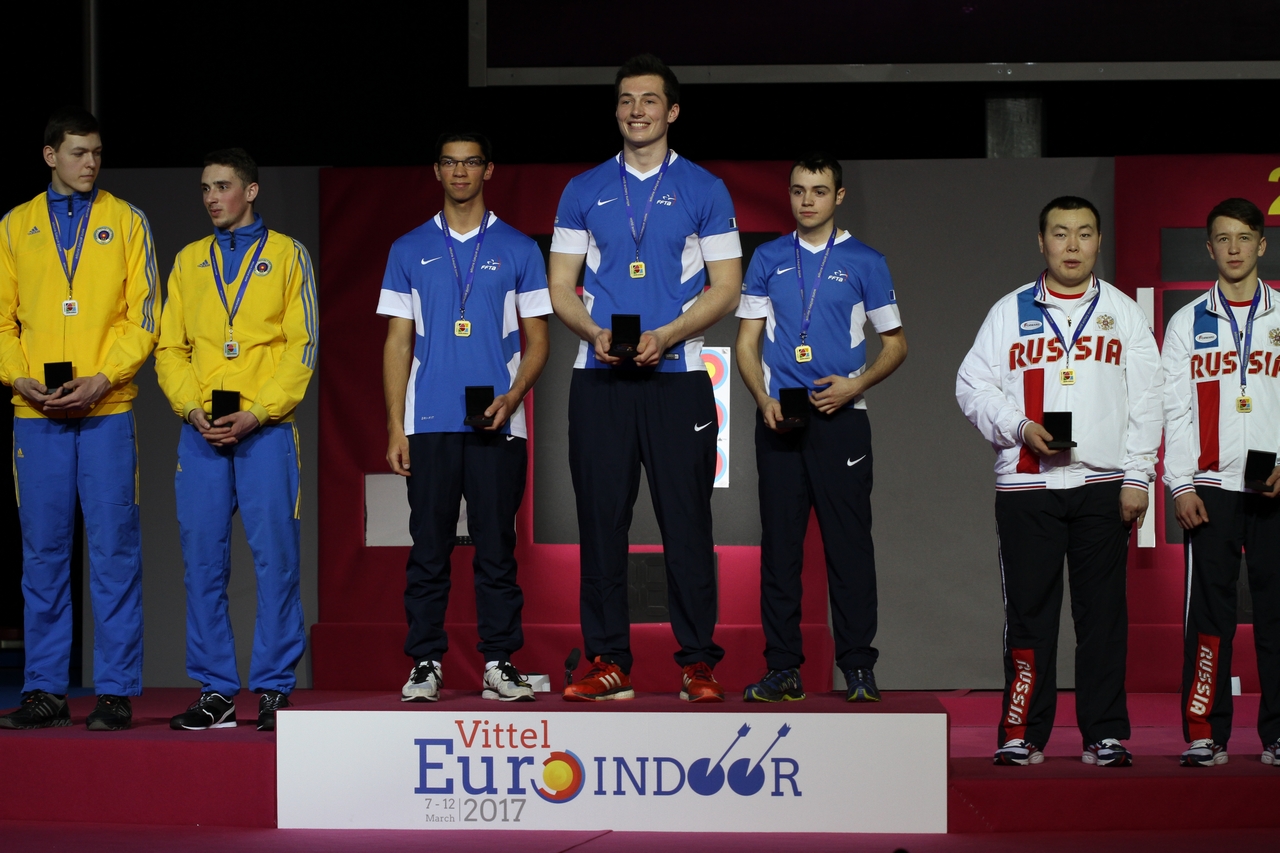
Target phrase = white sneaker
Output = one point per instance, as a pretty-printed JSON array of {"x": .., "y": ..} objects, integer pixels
[
  {"x": 423, "y": 684},
  {"x": 1107, "y": 752},
  {"x": 1020, "y": 752},
  {"x": 1204, "y": 753},
  {"x": 505, "y": 683}
]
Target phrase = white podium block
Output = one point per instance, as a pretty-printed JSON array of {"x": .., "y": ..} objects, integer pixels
[{"x": 726, "y": 771}]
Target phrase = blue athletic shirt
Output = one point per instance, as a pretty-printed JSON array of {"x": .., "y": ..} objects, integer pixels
[
  {"x": 420, "y": 285},
  {"x": 856, "y": 287},
  {"x": 691, "y": 222}
]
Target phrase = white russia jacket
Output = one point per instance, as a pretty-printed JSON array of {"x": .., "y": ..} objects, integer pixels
[
  {"x": 1206, "y": 439},
  {"x": 1012, "y": 375}
]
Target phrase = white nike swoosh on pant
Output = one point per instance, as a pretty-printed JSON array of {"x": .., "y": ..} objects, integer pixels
[
  {"x": 853, "y": 462},
  {"x": 697, "y": 428}
]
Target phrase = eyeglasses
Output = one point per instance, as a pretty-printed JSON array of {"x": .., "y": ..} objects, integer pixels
[{"x": 470, "y": 162}]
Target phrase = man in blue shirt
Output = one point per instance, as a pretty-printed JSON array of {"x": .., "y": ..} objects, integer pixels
[
  {"x": 653, "y": 231},
  {"x": 458, "y": 290},
  {"x": 805, "y": 301}
]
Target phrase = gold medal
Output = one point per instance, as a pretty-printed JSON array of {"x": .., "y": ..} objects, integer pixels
[
  {"x": 1067, "y": 376},
  {"x": 1244, "y": 404},
  {"x": 70, "y": 308},
  {"x": 637, "y": 269},
  {"x": 804, "y": 353},
  {"x": 231, "y": 349},
  {"x": 462, "y": 329}
]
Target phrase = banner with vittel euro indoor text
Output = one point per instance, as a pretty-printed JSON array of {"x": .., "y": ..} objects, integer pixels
[{"x": 683, "y": 772}]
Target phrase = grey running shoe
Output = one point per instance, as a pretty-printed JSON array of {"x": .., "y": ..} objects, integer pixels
[
  {"x": 505, "y": 683},
  {"x": 423, "y": 684}
]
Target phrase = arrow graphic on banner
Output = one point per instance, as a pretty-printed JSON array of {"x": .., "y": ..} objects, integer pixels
[
  {"x": 707, "y": 780},
  {"x": 747, "y": 782}
]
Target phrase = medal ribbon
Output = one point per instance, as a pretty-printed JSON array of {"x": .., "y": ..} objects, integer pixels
[
  {"x": 244, "y": 283},
  {"x": 1084, "y": 321},
  {"x": 626, "y": 194},
  {"x": 81, "y": 233},
  {"x": 1242, "y": 343},
  {"x": 464, "y": 287},
  {"x": 813, "y": 295}
]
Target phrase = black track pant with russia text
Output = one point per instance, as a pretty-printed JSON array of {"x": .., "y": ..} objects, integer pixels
[
  {"x": 1037, "y": 529},
  {"x": 1236, "y": 520}
]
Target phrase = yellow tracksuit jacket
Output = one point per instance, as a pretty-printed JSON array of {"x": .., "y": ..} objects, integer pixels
[
  {"x": 277, "y": 327},
  {"x": 116, "y": 286}
]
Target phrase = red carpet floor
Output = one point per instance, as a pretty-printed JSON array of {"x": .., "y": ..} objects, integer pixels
[{"x": 26, "y": 837}]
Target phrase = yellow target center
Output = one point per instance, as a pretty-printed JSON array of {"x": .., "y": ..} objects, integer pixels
[{"x": 557, "y": 775}]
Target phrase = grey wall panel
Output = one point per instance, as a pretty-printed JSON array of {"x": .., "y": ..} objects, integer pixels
[{"x": 289, "y": 202}]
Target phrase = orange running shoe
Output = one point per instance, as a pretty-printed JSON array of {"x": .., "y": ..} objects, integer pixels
[
  {"x": 700, "y": 685},
  {"x": 605, "y": 680}
]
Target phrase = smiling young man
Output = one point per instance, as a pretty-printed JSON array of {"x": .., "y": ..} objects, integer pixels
[
  {"x": 653, "y": 230},
  {"x": 240, "y": 320},
  {"x": 77, "y": 288},
  {"x": 1221, "y": 401},
  {"x": 1068, "y": 342},
  {"x": 459, "y": 290},
  {"x": 806, "y": 299}
]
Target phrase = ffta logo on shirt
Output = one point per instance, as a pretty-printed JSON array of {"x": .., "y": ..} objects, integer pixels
[{"x": 493, "y": 265}]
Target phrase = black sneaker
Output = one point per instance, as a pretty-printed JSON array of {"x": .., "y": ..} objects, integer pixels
[
  {"x": 271, "y": 701},
  {"x": 779, "y": 685},
  {"x": 39, "y": 710},
  {"x": 862, "y": 685},
  {"x": 112, "y": 714},
  {"x": 210, "y": 711}
]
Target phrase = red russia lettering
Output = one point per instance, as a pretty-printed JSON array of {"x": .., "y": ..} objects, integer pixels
[{"x": 1016, "y": 353}]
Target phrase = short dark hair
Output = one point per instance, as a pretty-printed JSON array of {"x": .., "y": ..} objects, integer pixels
[
  {"x": 238, "y": 160},
  {"x": 647, "y": 63},
  {"x": 1236, "y": 208},
  {"x": 1069, "y": 202},
  {"x": 816, "y": 161},
  {"x": 74, "y": 121},
  {"x": 486, "y": 148}
]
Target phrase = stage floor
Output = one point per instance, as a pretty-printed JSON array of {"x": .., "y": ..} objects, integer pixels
[{"x": 153, "y": 777}]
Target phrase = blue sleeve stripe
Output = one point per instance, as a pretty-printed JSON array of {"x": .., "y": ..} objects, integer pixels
[
  {"x": 309, "y": 312},
  {"x": 148, "y": 304}
]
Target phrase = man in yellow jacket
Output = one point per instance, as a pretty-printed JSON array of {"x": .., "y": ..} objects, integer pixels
[
  {"x": 240, "y": 321},
  {"x": 78, "y": 290}
]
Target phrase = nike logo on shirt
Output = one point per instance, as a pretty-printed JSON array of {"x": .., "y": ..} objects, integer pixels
[
  {"x": 850, "y": 463},
  {"x": 781, "y": 271},
  {"x": 701, "y": 428},
  {"x": 605, "y": 201},
  {"x": 425, "y": 261}
]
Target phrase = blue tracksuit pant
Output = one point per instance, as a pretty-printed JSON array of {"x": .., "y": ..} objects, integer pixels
[
  {"x": 259, "y": 477},
  {"x": 96, "y": 458}
]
